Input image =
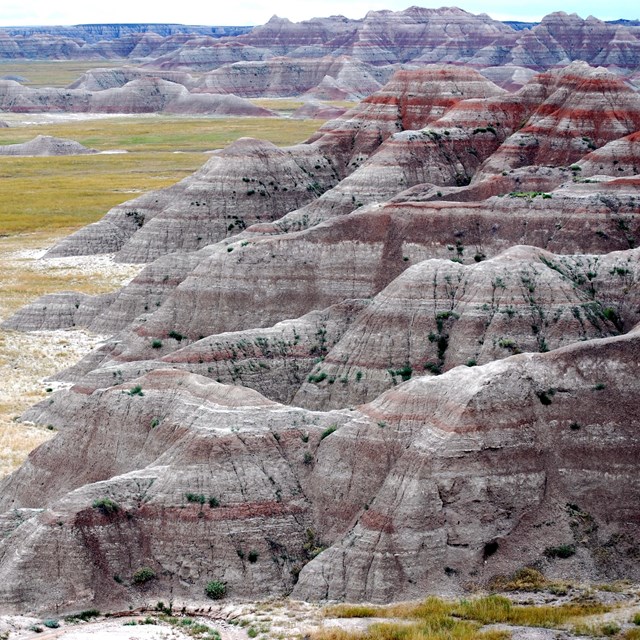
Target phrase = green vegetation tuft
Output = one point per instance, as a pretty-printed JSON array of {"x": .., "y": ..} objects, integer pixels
[
  {"x": 83, "y": 616},
  {"x": 142, "y": 575},
  {"x": 106, "y": 506},
  {"x": 215, "y": 589},
  {"x": 328, "y": 431}
]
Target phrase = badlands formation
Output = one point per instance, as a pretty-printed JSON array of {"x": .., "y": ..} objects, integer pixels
[
  {"x": 333, "y": 58},
  {"x": 399, "y": 358},
  {"x": 144, "y": 94}
]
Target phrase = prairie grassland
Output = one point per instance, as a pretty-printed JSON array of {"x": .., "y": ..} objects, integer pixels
[
  {"x": 71, "y": 191},
  {"x": 53, "y": 73},
  {"x": 156, "y": 133},
  {"x": 288, "y": 105},
  {"x": 63, "y": 193}
]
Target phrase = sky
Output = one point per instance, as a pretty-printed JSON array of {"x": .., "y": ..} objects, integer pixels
[{"x": 246, "y": 12}]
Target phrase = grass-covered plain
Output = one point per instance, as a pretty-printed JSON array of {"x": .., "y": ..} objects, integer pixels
[
  {"x": 64, "y": 193},
  {"x": 71, "y": 191},
  {"x": 156, "y": 133},
  {"x": 52, "y": 73}
]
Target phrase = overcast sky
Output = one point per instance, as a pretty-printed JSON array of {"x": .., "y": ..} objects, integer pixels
[{"x": 243, "y": 12}]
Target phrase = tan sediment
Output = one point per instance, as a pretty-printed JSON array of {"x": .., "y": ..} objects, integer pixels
[{"x": 28, "y": 359}]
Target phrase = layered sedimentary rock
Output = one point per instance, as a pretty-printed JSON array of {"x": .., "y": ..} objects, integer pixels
[
  {"x": 108, "y": 78},
  {"x": 287, "y": 77},
  {"x": 524, "y": 299},
  {"x": 561, "y": 38},
  {"x": 264, "y": 279},
  {"x": 45, "y": 146},
  {"x": 101, "y": 41},
  {"x": 441, "y": 314},
  {"x": 313, "y": 109},
  {"x": 416, "y": 35},
  {"x": 500, "y": 381},
  {"x": 142, "y": 95},
  {"x": 584, "y": 108},
  {"x": 420, "y": 35},
  {"x": 274, "y": 361},
  {"x": 438, "y": 482},
  {"x": 509, "y": 76},
  {"x": 255, "y": 182},
  {"x": 620, "y": 157}
]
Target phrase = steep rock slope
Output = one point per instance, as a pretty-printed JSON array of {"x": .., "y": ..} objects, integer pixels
[
  {"x": 438, "y": 482},
  {"x": 436, "y": 315},
  {"x": 586, "y": 108},
  {"x": 440, "y": 314},
  {"x": 620, "y": 157},
  {"x": 100, "y": 79},
  {"x": 561, "y": 38},
  {"x": 420, "y": 480},
  {"x": 421, "y": 36},
  {"x": 100, "y": 41},
  {"x": 274, "y": 361},
  {"x": 416, "y": 35}
]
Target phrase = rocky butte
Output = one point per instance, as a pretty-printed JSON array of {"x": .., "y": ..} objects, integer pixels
[{"x": 399, "y": 358}]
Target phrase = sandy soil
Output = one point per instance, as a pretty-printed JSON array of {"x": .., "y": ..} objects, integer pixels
[
  {"x": 287, "y": 619},
  {"x": 28, "y": 359},
  {"x": 265, "y": 620}
]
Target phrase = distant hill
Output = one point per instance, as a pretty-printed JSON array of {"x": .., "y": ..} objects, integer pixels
[
  {"x": 417, "y": 35},
  {"x": 96, "y": 32}
]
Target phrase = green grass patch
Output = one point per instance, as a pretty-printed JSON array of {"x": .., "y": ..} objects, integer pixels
[
  {"x": 166, "y": 133},
  {"x": 83, "y": 616},
  {"x": 69, "y": 192}
]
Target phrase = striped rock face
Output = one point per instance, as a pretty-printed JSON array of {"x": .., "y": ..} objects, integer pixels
[{"x": 406, "y": 363}]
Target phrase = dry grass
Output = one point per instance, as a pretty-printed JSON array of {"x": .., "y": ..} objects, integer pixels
[
  {"x": 24, "y": 278},
  {"x": 52, "y": 73},
  {"x": 435, "y": 618},
  {"x": 441, "y": 628},
  {"x": 16, "y": 441},
  {"x": 278, "y": 104},
  {"x": 494, "y": 609},
  {"x": 26, "y": 359}
]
